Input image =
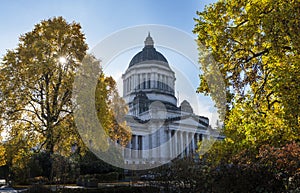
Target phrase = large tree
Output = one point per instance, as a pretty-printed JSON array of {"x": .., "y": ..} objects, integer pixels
[
  {"x": 36, "y": 83},
  {"x": 256, "y": 46},
  {"x": 37, "y": 103},
  {"x": 37, "y": 93}
]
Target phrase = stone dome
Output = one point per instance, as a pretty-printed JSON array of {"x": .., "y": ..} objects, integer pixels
[
  {"x": 149, "y": 72},
  {"x": 148, "y": 53}
]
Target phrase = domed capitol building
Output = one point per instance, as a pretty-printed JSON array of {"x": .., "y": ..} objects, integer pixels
[{"x": 161, "y": 130}]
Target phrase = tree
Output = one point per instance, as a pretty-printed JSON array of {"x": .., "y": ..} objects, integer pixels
[
  {"x": 284, "y": 162},
  {"x": 100, "y": 112},
  {"x": 37, "y": 93},
  {"x": 111, "y": 110},
  {"x": 255, "y": 45},
  {"x": 2, "y": 154},
  {"x": 36, "y": 83}
]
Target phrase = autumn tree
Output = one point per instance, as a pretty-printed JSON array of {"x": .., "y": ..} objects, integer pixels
[
  {"x": 37, "y": 94},
  {"x": 111, "y": 110},
  {"x": 255, "y": 44},
  {"x": 36, "y": 82},
  {"x": 100, "y": 112}
]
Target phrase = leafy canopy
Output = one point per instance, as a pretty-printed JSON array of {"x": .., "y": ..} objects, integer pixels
[
  {"x": 256, "y": 46},
  {"x": 36, "y": 87},
  {"x": 36, "y": 82}
]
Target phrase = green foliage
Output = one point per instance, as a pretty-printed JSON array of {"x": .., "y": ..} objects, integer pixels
[
  {"x": 111, "y": 110},
  {"x": 37, "y": 108},
  {"x": 2, "y": 154},
  {"x": 93, "y": 179},
  {"x": 255, "y": 46},
  {"x": 99, "y": 110},
  {"x": 186, "y": 175},
  {"x": 90, "y": 164},
  {"x": 36, "y": 84},
  {"x": 40, "y": 165}
]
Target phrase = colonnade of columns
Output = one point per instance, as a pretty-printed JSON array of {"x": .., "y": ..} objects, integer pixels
[
  {"x": 180, "y": 143},
  {"x": 183, "y": 143},
  {"x": 148, "y": 81}
]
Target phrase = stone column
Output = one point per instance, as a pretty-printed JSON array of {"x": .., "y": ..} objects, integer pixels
[
  {"x": 187, "y": 143},
  {"x": 158, "y": 80},
  {"x": 150, "y": 146},
  {"x": 154, "y": 154},
  {"x": 145, "y": 142},
  {"x": 197, "y": 140},
  {"x": 149, "y": 80},
  {"x": 173, "y": 84},
  {"x": 193, "y": 143},
  {"x": 140, "y": 81},
  {"x": 127, "y": 89},
  {"x": 128, "y": 85},
  {"x": 181, "y": 143},
  {"x": 170, "y": 141},
  {"x": 133, "y": 147},
  {"x": 130, "y": 148},
  {"x": 132, "y": 83},
  {"x": 165, "y": 83},
  {"x": 135, "y": 81},
  {"x": 144, "y": 81},
  {"x": 175, "y": 142},
  {"x": 162, "y": 80},
  {"x": 158, "y": 142},
  {"x": 125, "y": 86},
  {"x": 146, "y": 76},
  {"x": 136, "y": 146},
  {"x": 140, "y": 147}
]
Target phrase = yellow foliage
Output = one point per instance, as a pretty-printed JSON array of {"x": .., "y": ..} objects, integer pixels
[
  {"x": 256, "y": 46},
  {"x": 2, "y": 155}
]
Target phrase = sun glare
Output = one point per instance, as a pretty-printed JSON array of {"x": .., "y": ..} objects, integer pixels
[{"x": 62, "y": 60}]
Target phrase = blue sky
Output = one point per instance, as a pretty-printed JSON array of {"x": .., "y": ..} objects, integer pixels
[{"x": 100, "y": 18}]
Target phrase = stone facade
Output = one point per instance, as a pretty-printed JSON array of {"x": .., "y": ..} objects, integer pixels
[{"x": 161, "y": 130}]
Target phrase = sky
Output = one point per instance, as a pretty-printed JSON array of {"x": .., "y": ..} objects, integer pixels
[
  {"x": 98, "y": 18},
  {"x": 101, "y": 18}
]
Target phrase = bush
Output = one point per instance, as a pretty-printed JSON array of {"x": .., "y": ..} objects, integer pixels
[
  {"x": 245, "y": 178},
  {"x": 92, "y": 180},
  {"x": 90, "y": 164}
]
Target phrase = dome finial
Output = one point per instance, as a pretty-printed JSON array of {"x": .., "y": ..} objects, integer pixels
[{"x": 149, "y": 41}]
